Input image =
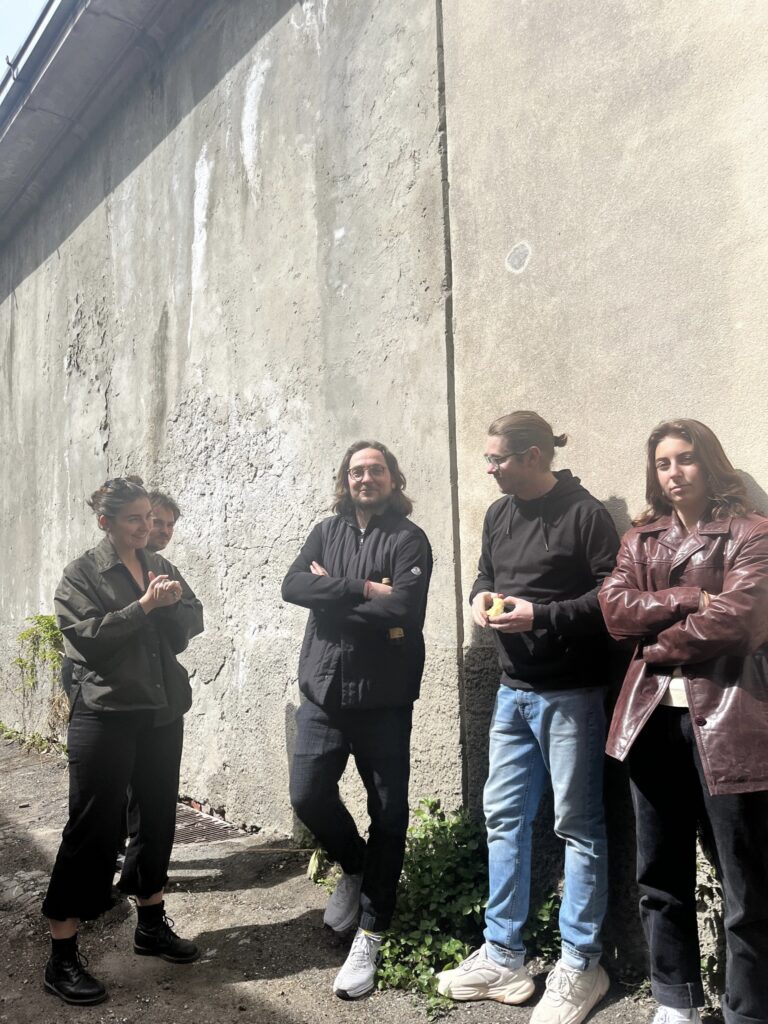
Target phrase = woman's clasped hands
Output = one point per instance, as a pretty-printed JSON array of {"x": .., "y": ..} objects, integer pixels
[{"x": 161, "y": 592}]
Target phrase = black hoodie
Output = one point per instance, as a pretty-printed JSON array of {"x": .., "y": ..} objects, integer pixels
[{"x": 554, "y": 551}]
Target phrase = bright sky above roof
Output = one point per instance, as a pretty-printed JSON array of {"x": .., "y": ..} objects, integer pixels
[{"x": 16, "y": 20}]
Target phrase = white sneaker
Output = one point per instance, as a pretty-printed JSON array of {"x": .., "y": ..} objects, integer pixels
[
  {"x": 570, "y": 995},
  {"x": 356, "y": 977},
  {"x": 343, "y": 907},
  {"x": 671, "y": 1015},
  {"x": 479, "y": 977}
]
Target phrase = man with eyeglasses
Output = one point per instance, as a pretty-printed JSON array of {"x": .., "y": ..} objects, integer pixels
[
  {"x": 547, "y": 546},
  {"x": 359, "y": 673}
]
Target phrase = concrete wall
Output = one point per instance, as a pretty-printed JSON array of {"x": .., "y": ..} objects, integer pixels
[
  {"x": 238, "y": 277},
  {"x": 610, "y": 236}
]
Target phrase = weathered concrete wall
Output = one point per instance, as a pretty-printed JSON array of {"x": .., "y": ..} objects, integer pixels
[
  {"x": 610, "y": 231},
  {"x": 238, "y": 277}
]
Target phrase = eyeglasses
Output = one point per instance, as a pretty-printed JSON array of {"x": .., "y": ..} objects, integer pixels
[
  {"x": 376, "y": 471},
  {"x": 497, "y": 460}
]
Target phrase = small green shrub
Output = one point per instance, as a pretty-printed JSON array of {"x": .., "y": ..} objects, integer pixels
[
  {"x": 33, "y": 741},
  {"x": 541, "y": 934},
  {"x": 441, "y": 899}
]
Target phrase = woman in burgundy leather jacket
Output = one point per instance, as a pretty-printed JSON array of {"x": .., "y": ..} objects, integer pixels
[{"x": 690, "y": 588}]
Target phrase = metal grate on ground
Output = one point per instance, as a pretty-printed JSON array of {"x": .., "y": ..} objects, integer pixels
[{"x": 196, "y": 827}]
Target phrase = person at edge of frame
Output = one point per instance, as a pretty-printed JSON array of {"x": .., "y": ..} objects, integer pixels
[
  {"x": 124, "y": 615},
  {"x": 547, "y": 546},
  {"x": 359, "y": 673},
  {"x": 690, "y": 591}
]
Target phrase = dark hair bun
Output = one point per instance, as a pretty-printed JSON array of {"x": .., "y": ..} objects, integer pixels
[{"x": 113, "y": 494}]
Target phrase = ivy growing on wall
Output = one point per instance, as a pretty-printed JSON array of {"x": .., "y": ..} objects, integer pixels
[
  {"x": 39, "y": 665},
  {"x": 40, "y": 651}
]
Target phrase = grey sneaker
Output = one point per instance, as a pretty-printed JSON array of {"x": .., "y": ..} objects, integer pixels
[
  {"x": 357, "y": 977},
  {"x": 480, "y": 977},
  {"x": 570, "y": 995},
  {"x": 343, "y": 907},
  {"x": 671, "y": 1015}
]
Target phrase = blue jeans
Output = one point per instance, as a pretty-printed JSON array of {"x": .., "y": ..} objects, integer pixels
[{"x": 557, "y": 734}]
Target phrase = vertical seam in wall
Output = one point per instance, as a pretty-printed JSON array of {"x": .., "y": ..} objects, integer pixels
[{"x": 450, "y": 364}]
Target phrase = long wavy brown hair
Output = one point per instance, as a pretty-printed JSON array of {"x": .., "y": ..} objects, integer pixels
[
  {"x": 725, "y": 488},
  {"x": 399, "y": 501}
]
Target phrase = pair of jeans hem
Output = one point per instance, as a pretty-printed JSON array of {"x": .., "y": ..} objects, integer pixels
[
  {"x": 679, "y": 997},
  {"x": 513, "y": 959},
  {"x": 370, "y": 923},
  {"x": 578, "y": 961}
]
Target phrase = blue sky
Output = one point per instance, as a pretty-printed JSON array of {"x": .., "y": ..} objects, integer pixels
[{"x": 16, "y": 19}]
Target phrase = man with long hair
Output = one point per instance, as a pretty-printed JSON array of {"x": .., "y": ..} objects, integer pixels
[
  {"x": 359, "y": 674},
  {"x": 547, "y": 547},
  {"x": 690, "y": 589}
]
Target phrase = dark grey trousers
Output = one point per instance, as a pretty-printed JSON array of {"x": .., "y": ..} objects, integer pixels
[{"x": 379, "y": 742}]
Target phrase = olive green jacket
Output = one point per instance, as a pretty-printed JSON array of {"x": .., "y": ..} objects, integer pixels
[{"x": 125, "y": 659}]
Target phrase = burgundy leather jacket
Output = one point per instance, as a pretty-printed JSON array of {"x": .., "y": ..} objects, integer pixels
[{"x": 652, "y": 598}]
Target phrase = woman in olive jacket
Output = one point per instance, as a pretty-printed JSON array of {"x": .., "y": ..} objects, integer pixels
[
  {"x": 690, "y": 588},
  {"x": 125, "y": 614}
]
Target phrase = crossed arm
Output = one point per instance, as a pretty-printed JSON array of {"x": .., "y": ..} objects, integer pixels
[
  {"x": 361, "y": 602},
  {"x": 684, "y": 625}
]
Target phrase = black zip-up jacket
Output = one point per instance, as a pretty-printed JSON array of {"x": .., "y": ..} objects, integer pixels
[
  {"x": 554, "y": 551},
  {"x": 346, "y": 636},
  {"x": 124, "y": 659}
]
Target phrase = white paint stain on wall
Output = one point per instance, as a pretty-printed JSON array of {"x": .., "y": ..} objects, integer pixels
[
  {"x": 250, "y": 127},
  {"x": 311, "y": 19},
  {"x": 198, "y": 276}
]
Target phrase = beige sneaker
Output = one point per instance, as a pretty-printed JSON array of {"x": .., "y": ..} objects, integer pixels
[
  {"x": 570, "y": 995},
  {"x": 479, "y": 977}
]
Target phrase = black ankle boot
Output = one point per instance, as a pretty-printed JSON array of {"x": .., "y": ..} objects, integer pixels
[
  {"x": 157, "y": 938},
  {"x": 67, "y": 978}
]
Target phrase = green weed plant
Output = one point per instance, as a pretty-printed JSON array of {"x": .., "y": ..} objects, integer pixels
[
  {"x": 442, "y": 895},
  {"x": 40, "y": 651}
]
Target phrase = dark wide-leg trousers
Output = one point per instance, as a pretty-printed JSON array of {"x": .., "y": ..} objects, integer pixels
[
  {"x": 379, "y": 741},
  {"x": 108, "y": 752},
  {"x": 671, "y": 800}
]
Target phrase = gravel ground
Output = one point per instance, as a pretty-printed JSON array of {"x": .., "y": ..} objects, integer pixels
[{"x": 244, "y": 899}]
